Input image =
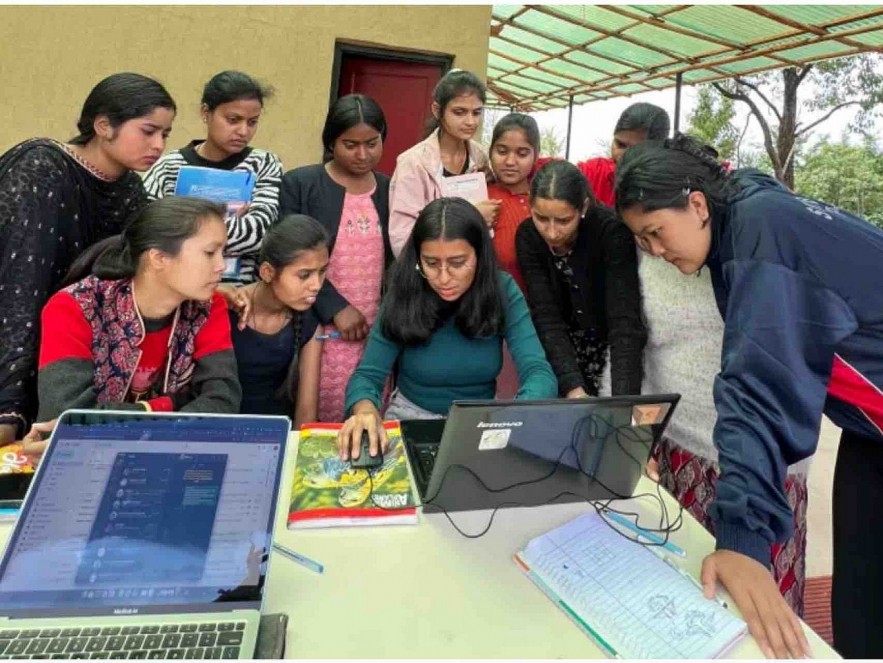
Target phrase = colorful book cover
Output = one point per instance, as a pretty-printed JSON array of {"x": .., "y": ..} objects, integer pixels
[
  {"x": 13, "y": 460},
  {"x": 329, "y": 492},
  {"x": 233, "y": 188},
  {"x": 220, "y": 186}
]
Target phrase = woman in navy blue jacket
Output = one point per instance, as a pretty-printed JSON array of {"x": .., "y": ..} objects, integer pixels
[{"x": 798, "y": 283}]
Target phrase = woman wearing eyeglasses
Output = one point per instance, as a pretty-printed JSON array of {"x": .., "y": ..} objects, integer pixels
[
  {"x": 580, "y": 266},
  {"x": 444, "y": 319}
]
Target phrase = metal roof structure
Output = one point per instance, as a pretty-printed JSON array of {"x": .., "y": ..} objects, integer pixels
[{"x": 552, "y": 56}]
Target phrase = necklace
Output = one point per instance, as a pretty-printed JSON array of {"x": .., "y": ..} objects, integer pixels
[
  {"x": 253, "y": 323},
  {"x": 95, "y": 170}
]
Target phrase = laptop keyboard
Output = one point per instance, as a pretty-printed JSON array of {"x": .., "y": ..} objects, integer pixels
[
  {"x": 160, "y": 641},
  {"x": 426, "y": 454}
]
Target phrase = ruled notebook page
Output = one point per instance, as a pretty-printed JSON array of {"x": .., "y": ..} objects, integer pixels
[{"x": 636, "y": 602}]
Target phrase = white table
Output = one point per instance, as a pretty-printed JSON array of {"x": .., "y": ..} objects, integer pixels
[{"x": 426, "y": 592}]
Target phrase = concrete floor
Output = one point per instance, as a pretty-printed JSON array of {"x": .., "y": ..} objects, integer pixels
[{"x": 821, "y": 477}]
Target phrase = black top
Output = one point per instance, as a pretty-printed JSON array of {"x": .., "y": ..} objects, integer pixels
[
  {"x": 310, "y": 190},
  {"x": 264, "y": 360},
  {"x": 463, "y": 170},
  {"x": 52, "y": 208},
  {"x": 192, "y": 157},
  {"x": 601, "y": 295}
]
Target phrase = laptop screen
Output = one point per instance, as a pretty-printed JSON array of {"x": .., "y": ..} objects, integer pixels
[{"x": 146, "y": 514}]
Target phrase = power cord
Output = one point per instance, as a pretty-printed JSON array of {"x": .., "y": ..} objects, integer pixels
[{"x": 665, "y": 528}]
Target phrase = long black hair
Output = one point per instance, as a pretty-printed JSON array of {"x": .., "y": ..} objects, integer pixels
[
  {"x": 660, "y": 174},
  {"x": 120, "y": 98},
  {"x": 450, "y": 86},
  {"x": 561, "y": 180},
  {"x": 412, "y": 309},
  {"x": 347, "y": 112},
  {"x": 163, "y": 224},
  {"x": 284, "y": 242},
  {"x": 232, "y": 85},
  {"x": 644, "y": 117}
]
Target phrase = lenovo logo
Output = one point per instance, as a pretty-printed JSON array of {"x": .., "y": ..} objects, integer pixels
[{"x": 502, "y": 424}]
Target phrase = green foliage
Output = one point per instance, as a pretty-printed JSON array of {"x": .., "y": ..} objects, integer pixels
[
  {"x": 850, "y": 177},
  {"x": 551, "y": 144},
  {"x": 712, "y": 121},
  {"x": 857, "y": 79}
]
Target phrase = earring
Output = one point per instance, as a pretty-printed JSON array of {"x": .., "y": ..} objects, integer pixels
[{"x": 419, "y": 271}]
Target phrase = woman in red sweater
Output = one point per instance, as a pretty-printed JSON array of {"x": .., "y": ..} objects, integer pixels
[
  {"x": 638, "y": 122},
  {"x": 141, "y": 326},
  {"x": 515, "y": 146}
]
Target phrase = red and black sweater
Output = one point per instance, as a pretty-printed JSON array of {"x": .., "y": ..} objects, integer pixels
[{"x": 97, "y": 352}]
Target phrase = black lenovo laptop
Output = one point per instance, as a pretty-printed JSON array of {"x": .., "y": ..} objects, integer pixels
[{"x": 489, "y": 454}]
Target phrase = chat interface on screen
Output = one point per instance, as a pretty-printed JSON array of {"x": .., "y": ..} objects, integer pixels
[{"x": 143, "y": 522}]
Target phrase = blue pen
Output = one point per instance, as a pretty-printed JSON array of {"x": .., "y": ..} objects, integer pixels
[
  {"x": 300, "y": 559},
  {"x": 325, "y": 337},
  {"x": 650, "y": 536}
]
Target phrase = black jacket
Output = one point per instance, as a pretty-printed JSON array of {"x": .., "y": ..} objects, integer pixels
[
  {"x": 310, "y": 190},
  {"x": 605, "y": 299}
]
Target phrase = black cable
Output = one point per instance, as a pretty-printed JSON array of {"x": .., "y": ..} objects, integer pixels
[{"x": 666, "y": 526}]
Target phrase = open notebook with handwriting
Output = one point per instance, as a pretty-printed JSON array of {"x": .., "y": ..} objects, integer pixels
[{"x": 624, "y": 596}]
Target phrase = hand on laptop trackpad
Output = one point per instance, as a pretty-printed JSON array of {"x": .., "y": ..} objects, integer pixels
[{"x": 366, "y": 460}]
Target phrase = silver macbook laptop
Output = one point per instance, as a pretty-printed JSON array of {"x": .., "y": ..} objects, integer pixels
[
  {"x": 491, "y": 454},
  {"x": 144, "y": 536}
]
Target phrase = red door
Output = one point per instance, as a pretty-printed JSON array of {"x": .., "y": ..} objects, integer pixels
[{"x": 404, "y": 92}]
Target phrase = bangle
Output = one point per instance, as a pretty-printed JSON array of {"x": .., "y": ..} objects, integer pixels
[{"x": 15, "y": 419}]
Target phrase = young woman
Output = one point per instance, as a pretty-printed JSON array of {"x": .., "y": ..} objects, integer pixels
[
  {"x": 277, "y": 354},
  {"x": 58, "y": 199},
  {"x": 145, "y": 329},
  {"x": 515, "y": 146},
  {"x": 580, "y": 265},
  {"x": 351, "y": 201},
  {"x": 443, "y": 320},
  {"x": 448, "y": 149},
  {"x": 638, "y": 122},
  {"x": 682, "y": 355},
  {"x": 802, "y": 337},
  {"x": 232, "y": 105}
]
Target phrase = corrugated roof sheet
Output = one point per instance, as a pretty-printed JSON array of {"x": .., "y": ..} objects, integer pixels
[{"x": 540, "y": 55}]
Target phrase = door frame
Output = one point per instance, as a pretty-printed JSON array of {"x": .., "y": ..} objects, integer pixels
[{"x": 343, "y": 47}]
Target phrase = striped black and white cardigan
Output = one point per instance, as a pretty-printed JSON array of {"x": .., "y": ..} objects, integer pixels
[{"x": 245, "y": 233}]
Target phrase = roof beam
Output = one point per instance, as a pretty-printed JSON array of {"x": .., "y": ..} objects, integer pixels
[
  {"x": 762, "y": 53},
  {"x": 658, "y": 21},
  {"x": 528, "y": 65},
  {"x": 560, "y": 42},
  {"x": 799, "y": 34},
  {"x": 612, "y": 34},
  {"x": 572, "y": 48},
  {"x": 803, "y": 27}
]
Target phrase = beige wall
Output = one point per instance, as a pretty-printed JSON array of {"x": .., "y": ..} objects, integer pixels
[{"x": 50, "y": 57}]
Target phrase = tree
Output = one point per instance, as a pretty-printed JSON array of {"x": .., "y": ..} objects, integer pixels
[
  {"x": 847, "y": 176},
  {"x": 712, "y": 121},
  {"x": 551, "y": 144},
  {"x": 851, "y": 81}
]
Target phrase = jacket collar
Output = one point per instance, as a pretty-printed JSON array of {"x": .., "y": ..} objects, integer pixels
[{"x": 430, "y": 156}]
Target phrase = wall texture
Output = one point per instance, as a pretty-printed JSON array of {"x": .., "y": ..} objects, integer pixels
[{"x": 50, "y": 57}]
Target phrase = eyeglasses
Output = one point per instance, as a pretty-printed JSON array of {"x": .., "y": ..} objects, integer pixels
[{"x": 454, "y": 269}]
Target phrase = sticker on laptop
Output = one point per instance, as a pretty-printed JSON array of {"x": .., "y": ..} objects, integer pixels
[
  {"x": 498, "y": 438},
  {"x": 649, "y": 414}
]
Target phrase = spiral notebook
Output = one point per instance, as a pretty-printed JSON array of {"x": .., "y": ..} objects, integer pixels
[{"x": 626, "y": 597}]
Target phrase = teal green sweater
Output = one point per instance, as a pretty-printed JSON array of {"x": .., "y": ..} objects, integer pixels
[{"x": 453, "y": 367}]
